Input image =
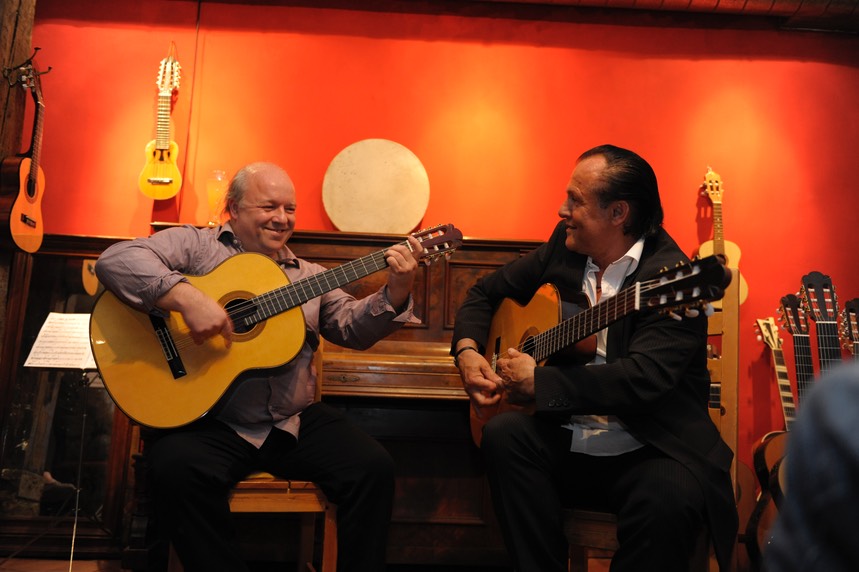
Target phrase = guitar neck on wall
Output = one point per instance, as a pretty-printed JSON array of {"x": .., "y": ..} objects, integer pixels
[
  {"x": 712, "y": 189},
  {"x": 23, "y": 181},
  {"x": 821, "y": 304},
  {"x": 161, "y": 178},
  {"x": 794, "y": 320},
  {"x": 768, "y": 331}
]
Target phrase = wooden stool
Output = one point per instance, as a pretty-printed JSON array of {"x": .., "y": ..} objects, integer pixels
[
  {"x": 597, "y": 531},
  {"x": 265, "y": 493}
]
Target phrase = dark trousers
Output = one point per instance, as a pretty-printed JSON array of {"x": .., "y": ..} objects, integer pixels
[
  {"x": 192, "y": 470},
  {"x": 533, "y": 475}
]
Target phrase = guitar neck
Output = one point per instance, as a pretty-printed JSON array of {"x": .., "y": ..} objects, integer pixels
[
  {"x": 584, "y": 324},
  {"x": 803, "y": 364},
  {"x": 828, "y": 345},
  {"x": 162, "y": 135},
  {"x": 36, "y": 147},
  {"x": 718, "y": 229},
  {"x": 295, "y": 294},
  {"x": 786, "y": 395}
]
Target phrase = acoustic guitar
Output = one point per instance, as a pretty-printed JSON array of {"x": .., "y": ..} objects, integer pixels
[
  {"x": 821, "y": 305},
  {"x": 538, "y": 330},
  {"x": 160, "y": 178},
  {"x": 712, "y": 189},
  {"x": 770, "y": 449},
  {"x": 850, "y": 327},
  {"x": 23, "y": 181},
  {"x": 160, "y": 378}
]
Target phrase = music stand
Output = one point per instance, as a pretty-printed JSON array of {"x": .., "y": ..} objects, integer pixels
[{"x": 63, "y": 343}]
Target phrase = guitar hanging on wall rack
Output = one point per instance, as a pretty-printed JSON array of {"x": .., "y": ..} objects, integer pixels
[
  {"x": 23, "y": 181},
  {"x": 821, "y": 304},
  {"x": 769, "y": 451},
  {"x": 712, "y": 189},
  {"x": 160, "y": 178}
]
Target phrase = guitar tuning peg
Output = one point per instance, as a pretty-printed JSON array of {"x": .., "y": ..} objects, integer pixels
[
  {"x": 709, "y": 309},
  {"x": 692, "y": 312},
  {"x": 675, "y": 315}
]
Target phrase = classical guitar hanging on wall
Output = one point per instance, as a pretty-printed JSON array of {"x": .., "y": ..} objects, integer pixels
[
  {"x": 712, "y": 189},
  {"x": 160, "y": 178},
  {"x": 22, "y": 180}
]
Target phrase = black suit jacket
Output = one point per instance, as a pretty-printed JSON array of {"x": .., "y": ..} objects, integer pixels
[{"x": 655, "y": 378}]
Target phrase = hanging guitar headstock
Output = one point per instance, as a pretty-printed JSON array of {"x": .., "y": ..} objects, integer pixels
[
  {"x": 439, "y": 240},
  {"x": 688, "y": 288}
]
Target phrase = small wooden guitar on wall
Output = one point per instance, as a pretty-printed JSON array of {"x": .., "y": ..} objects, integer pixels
[
  {"x": 538, "y": 330},
  {"x": 712, "y": 189},
  {"x": 23, "y": 180},
  {"x": 160, "y": 378},
  {"x": 160, "y": 178}
]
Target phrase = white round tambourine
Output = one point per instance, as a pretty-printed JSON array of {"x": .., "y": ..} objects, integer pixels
[{"x": 376, "y": 185}]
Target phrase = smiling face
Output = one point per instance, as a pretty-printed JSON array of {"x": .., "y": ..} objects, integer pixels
[
  {"x": 589, "y": 225},
  {"x": 264, "y": 217}
]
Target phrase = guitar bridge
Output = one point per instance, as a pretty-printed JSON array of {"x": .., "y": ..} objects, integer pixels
[
  {"x": 168, "y": 347},
  {"x": 29, "y": 221},
  {"x": 160, "y": 181}
]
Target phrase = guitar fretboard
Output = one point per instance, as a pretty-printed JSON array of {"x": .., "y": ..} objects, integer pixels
[
  {"x": 162, "y": 134},
  {"x": 584, "y": 324},
  {"x": 828, "y": 345},
  {"x": 803, "y": 364},
  {"x": 785, "y": 393},
  {"x": 264, "y": 306}
]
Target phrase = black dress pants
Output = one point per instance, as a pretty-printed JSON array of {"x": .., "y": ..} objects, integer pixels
[
  {"x": 533, "y": 475},
  {"x": 192, "y": 470}
]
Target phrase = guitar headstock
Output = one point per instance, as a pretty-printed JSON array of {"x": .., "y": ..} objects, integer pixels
[
  {"x": 768, "y": 332},
  {"x": 169, "y": 72},
  {"x": 712, "y": 186},
  {"x": 440, "y": 240},
  {"x": 687, "y": 286},
  {"x": 793, "y": 315},
  {"x": 818, "y": 297},
  {"x": 850, "y": 325}
]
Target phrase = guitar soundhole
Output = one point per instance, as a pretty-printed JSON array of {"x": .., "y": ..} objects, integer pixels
[{"x": 243, "y": 313}]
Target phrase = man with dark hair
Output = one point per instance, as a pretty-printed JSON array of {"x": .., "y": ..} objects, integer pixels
[{"x": 628, "y": 431}]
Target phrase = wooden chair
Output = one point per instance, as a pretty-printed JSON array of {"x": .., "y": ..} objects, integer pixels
[
  {"x": 265, "y": 493},
  {"x": 593, "y": 533}
]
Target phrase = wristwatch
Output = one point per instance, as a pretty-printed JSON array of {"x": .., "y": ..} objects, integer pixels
[{"x": 459, "y": 351}]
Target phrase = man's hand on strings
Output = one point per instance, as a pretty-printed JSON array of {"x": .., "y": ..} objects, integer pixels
[
  {"x": 203, "y": 316},
  {"x": 516, "y": 370}
]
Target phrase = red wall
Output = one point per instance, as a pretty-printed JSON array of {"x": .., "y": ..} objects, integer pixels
[{"x": 496, "y": 108}]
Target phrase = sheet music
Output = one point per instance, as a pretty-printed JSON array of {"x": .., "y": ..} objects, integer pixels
[{"x": 63, "y": 342}]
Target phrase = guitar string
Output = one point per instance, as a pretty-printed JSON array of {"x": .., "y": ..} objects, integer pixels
[{"x": 598, "y": 317}]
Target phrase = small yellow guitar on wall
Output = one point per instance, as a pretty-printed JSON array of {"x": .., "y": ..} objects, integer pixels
[
  {"x": 712, "y": 189},
  {"x": 160, "y": 178}
]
